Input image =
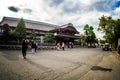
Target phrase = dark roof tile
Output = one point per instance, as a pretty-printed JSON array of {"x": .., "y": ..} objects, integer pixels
[{"x": 29, "y": 24}]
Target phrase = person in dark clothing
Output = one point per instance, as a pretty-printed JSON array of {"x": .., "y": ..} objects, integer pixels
[
  {"x": 72, "y": 44},
  {"x": 35, "y": 45},
  {"x": 63, "y": 45},
  {"x": 24, "y": 48}
]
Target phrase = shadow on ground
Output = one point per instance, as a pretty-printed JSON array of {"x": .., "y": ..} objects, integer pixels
[
  {"x": 37, "y": 65},
  {"x": 94, "y": 68},
  {"x": 11, "y": 55}
]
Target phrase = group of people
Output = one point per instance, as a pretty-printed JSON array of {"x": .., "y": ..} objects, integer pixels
[
  {"x": 34, "y": 47},
  {"x": 25, "y": 43},
  {"x": 63, "y": 45},
  {"x": 59, "y": 46},
  {"x": 70, "y": 45}
]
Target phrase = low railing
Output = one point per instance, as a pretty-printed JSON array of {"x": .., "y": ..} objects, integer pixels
[
  {"x": 19, "y": 47},
  {"x": 45, "y": 46},
  {"x": 10, "y": 47}
]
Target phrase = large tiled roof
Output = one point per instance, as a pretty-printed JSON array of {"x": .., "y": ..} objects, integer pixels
[
  {"x": 68, "y": 26},
  {"x": 29, "y": 24}
]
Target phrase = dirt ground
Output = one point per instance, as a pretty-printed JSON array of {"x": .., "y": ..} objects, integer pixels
[{"x": 71, "y": 64}]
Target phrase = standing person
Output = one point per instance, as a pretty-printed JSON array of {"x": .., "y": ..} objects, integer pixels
[
  {"x": 58, "y": 46},
  {"x": 24, "y": 48},
  {"x": 32, "y": 46},
  {"x": 35, "y": 45},
  {"x": 72, "y": 44},
  {"x": 69, "y": 44},
  {"x": 110, "y": 47},
  {"x": 63, "y": 45},
  {"x": 118, "y": 50}
]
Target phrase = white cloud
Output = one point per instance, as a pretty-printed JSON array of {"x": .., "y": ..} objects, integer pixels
[
  {"x": 78, "y": 12},
  {"x": 117, "y": 11}
]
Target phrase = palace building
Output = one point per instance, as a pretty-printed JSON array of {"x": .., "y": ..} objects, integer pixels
[
  {"x": 62, "y": 33},
  {"x": 65, "y": 33}
]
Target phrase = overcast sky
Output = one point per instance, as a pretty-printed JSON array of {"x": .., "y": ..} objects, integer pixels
[{"x": 59, "y": 12}]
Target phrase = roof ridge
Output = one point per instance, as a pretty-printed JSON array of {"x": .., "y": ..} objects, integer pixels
[
  {"x": 29, "y": 21},
  {"x": 66, "y": 24}
]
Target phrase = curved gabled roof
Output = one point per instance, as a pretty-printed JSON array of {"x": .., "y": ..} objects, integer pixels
[
  {"x": 68, "y": 26},
  {"x": 29, "y": 24}
]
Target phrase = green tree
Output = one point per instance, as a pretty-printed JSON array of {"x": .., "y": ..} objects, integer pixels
[
  {"x": 49, "y": 37},
  {"x": 90, "y": 35},
  {"x": 33, "y": 35},
  {"x": 111, "y": 28},
  {"x": 6, "y": 33},
  {"x": 20, "y": 30},
  {"x": 82, "y": 40},
  {"x": 102, "y": 41}
]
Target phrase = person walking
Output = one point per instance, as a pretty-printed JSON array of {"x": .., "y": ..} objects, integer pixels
[
  {"x": 110, "y": 47},
  {"x": 118, "y": 51},
  {"x": 58, "y": 46},
  {"x": 35, "y": 45},
  {"x": 63, "y": 45},
  {"x": 32, "y": 46},
  {"x": 72, "y": 44},
  {"x": 24, "y": 48}
]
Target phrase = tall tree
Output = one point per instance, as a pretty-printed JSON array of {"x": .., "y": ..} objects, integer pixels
[
  {"x": 90, "y": 35},
  {"x": 111, "y": 28},
  {"x": 21, "y": 29}
]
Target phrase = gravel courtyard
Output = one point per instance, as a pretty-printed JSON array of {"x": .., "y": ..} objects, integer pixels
[{"x": 71, "y": 64}]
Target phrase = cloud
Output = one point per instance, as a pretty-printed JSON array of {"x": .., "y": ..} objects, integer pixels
[
  {"x": 28, "y": 11},
  {"x": 103, "y": 5},
  {"x": 16, "y": 9},
  {"x": 13, "y": 8},
  {"x": 117, "y": 12},
  {"x": 59, "y": 12},
  {"x": 57, "y": 2}
]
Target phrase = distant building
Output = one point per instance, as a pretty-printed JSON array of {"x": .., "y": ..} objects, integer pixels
[
  {"x": 63, "y": 33},
  {"x": 39, "y": 27}
]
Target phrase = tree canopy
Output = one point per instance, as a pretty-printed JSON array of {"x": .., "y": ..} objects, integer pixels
[
  {"x": 6, "y": 33},
  {"x": 49, "y": 37},
  {"x": 90, "y": 35},
  {"x": 111, "y": 28},
  {"x": 20, "y": 30}
]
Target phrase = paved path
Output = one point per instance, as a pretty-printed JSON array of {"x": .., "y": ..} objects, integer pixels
[{"x": 71, "y": 64}]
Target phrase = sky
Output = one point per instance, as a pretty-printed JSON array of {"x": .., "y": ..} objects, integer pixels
[{"x": 60, "y": 12}]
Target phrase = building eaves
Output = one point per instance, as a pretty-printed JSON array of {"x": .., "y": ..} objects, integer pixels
[{"x": 28, "y": 21}]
